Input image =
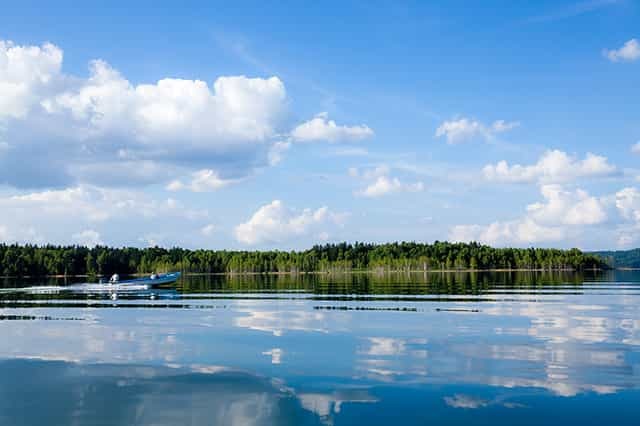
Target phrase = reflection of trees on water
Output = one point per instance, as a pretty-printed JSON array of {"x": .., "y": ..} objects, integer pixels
[
  {"x": 571, "y": 335},
  {"x": 435, "y": 282},
  {"x": 427, "y": 282}
]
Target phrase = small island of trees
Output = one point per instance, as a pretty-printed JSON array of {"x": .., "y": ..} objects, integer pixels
[{"x": 32, "y": 260}]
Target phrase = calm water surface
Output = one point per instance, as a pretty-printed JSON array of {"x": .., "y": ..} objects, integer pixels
[{"x": 499, "y": 349}]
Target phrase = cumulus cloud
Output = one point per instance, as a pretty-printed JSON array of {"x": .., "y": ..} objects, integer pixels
[
  {"x": 635, "y": 148},
  {"x": 628, "y": 203},
  {"x": 546, "y": 221},
  {"x": 567, "y": 207},
  {"x": 562, "y": 215},
  {"x": 277, "y": 223},
  {"x": 25, "y": 71},
  {"x": 320, "y": 128},
  {"x": 380, "y": 183},
  {"x": 77, "y": 214},
  {"x": 518, "y": 232},
  {"x": 385, "y": 185},
  {"x": 172, "y": 126},
  {"x": 201, "y": 181},
  {"x": 174, "y": 111},
  {"x": 90, "y": 203},
  {"x": 465, "y": 129},
  {"x": 553, "y": 166},
  {"x": 20, "y": 235},
  {"x": 93, "y": 204},
  {"x": 629, "y": 52}
]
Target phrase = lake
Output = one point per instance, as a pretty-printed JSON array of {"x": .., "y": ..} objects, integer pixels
[{"x": 413, "y": 349}]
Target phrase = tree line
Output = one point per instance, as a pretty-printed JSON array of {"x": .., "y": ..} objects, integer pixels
[
  {"x": 621, "y": 258},
  {"x": 32, "y": 260}
]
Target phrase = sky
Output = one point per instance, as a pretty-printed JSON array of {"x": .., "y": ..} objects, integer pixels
[{"x": 280, "y": 125}]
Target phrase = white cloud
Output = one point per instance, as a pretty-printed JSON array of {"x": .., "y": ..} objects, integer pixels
[
  {"x": 174, "y": 112},
  {"x": 201, "y": 181},
  {"x": 457, "y": 131},
  {"x": 517, "y": 232},
  {"x": 88, "y": 238},
  {"x": 276, "y": 223},
  {"x": 628, "y": 203},
  {"x": 547, "y": 221},
  {"x": 20, "y": 235},
  {"x": 554, "y": 166},
  {"x": 629, "y": 52},
  {"x": 90, "y": 203},
  {"x": 25, "y": 71},
  {"x": 71, "y": 215},
  {"x": 635, "y": 148},
  {"x": 173, "y": 126},
  {"x": 380, "y": 183},
  {"x": 500, "y": 126},
  {"x": 464, "y": 129},
  {"x": 567, "y": 208},
  {"x": 320, "y": 128},
  {"x": 385, "y": 185}
]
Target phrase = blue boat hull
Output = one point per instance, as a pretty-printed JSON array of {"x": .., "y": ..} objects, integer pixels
[{"x": 159, "y": 280}]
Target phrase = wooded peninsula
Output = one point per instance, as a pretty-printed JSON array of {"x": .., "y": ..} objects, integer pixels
[{"x": 31, "y": 260}]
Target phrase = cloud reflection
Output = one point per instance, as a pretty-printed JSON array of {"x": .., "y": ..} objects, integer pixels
[
  {"x": 564, "y": 343},
  {"x": 69, "y": 393}
]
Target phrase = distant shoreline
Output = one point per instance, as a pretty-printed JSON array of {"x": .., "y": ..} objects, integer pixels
[
  {"x": 405, "y": 257},
  {"x": 338, "y": 272}
]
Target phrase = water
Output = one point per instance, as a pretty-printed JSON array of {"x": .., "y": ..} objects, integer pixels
[{"x": 499, "y": 349}]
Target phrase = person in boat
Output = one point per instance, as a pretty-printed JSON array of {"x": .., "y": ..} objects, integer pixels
[
  {"x": 154, "y": 276},
  {"x": 114, "y": 279}
]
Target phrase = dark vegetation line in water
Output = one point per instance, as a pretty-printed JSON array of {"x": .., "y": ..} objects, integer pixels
[
  {"x": 98, "y": 303},
  {"x": 36, "y": 318},
  {"x": 362, "y": 308},
  {"x": 31, "y": 260}
]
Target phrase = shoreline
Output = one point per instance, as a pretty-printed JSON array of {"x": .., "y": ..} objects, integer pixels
[{"x": 341, "y": 272}]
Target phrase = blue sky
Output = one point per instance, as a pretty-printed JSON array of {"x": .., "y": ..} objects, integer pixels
[{"x": 281, "y": 125}]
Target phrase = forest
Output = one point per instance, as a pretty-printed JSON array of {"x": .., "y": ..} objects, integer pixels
[
  {"x": 621, "y": 258},
  {"x": 31, "y": 260}
]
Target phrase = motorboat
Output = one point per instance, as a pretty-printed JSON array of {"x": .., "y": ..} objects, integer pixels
[{"x": 146, "y": 282}]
